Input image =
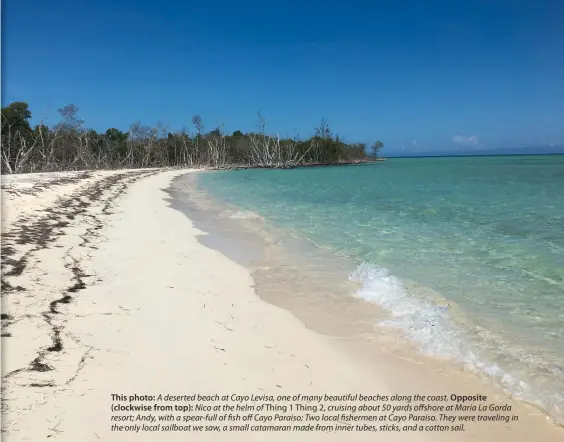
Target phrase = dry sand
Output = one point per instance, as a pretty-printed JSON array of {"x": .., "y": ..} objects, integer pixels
[{"x": 107, "y": 290}]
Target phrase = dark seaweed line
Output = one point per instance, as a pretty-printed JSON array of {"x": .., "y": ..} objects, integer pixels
[{"x": 43, "y": 233}]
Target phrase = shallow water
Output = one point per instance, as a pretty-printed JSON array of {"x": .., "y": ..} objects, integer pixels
[{"x": 466, "y": 254}]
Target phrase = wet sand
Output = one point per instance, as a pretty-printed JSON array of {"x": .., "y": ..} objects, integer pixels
[
  {"x": 114, "y": 285},
  {"x": 312, "y": 285}
]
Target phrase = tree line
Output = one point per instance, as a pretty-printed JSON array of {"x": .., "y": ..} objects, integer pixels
[{"x": 69, "y": 145}]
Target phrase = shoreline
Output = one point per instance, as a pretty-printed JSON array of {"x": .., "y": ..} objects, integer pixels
[
  {"x": 152, "y": 311},
  {"x": 340, "y": 309},
  {"x": 446, "y": 316},
  {"x": 305, "y": 165},
  {"x": 75, "y": 173}
]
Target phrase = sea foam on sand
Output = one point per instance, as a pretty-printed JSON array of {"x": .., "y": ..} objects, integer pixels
[
  {"x": 429, "y": 326},
  {"x": 152, "y": 311}
]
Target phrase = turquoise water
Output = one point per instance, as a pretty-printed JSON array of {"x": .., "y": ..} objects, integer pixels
[{"x": 466, "y": 254}]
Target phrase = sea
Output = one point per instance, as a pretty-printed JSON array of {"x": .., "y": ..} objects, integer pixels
[{"x": 463, "y": 255}]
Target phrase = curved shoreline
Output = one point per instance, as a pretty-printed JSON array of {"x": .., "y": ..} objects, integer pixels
[
  {"x": 158, "y": 312},
  {"x": 314, "y": 309}
]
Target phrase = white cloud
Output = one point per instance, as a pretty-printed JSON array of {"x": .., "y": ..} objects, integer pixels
[
  {"x": 546, "y": 143},
  {"x": 466, "y": 141}
]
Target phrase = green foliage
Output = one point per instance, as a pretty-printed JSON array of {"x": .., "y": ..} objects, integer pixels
[
  {"x": 116, "y": 135},
  {"x": 69, "y": 145},
  {"x": 16, "y": 117},
  {"x": 16, "y": 131}
]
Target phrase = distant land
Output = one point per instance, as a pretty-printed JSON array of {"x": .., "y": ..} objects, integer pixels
[{"x": 529, "y": 150}]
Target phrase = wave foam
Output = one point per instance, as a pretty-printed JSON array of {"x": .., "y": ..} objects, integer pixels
[
  {"x": 429, "y": 325},
  {"x": 422, "y": 321},
  {"x": 245, "y": 214}
]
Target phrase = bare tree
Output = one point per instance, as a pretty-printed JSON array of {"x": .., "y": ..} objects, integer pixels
[
  {"x": 199, "y": 125},
  {"x": 217, "y": 147},
  {"x": 68, "y": 145}
]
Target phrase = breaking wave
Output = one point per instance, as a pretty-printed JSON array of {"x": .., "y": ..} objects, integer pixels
[{"x": 429, "y": 325}]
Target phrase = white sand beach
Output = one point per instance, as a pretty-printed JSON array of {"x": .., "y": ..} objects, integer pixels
[{"x": 107, "y": 290}]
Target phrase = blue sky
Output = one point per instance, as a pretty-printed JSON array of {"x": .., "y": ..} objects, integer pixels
[{"x": 420, "y": 76}]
